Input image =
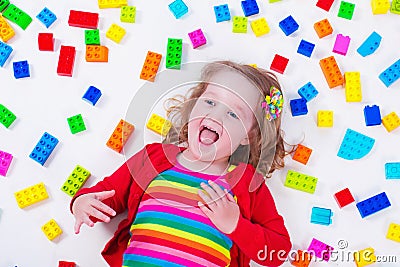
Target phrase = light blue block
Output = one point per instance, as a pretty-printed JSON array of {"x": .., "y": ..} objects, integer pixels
[
  {"x": 355, "y": 145},
  {"x": 392, "y": 170},
  {"x": 370, "y": 45},
  {"x": 44, "y": 148},
  {"x": 321, "y": 216},
  {"x": 5, "y": 52},
  {"x": 391, "y": 74},
  {"x": 46, "y": 17},
  {"x": 178, "y": 8},
  {"x": 308, "y": 91}
]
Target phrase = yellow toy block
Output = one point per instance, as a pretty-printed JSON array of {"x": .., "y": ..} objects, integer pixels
[
  {"x": 380, "y": 6},
  {"x": 6, "y": 32},
  {"x": 394, "y": 232},
  {"x": 364, "y": 257},
  {"x": 353, "y": 86},
  {"x": 115, "y": 33},
  {"x": 260, "y": 27},
  {"x": 253, "y": 65},
  {"x": 325, "y": 118},
  {"x": 112, "y": 3},
  {"x": 31, "y": 195},
  {"x": 391, "y": 121},
  {"x": 51, "y": 229},
  {"x": 159, "y": 125}
]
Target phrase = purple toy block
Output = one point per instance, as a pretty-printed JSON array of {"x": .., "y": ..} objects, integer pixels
[
  {"x": 320, "y": 249},
  {"x": 341, "y": 44},
  {"x": 197, "y": 38},
  {"x": 5, "y": 161}
]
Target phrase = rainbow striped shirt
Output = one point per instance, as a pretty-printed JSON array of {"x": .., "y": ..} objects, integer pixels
[{"x": 171, "y": 230}]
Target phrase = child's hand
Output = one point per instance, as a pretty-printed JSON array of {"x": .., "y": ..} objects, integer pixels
[
  {"x": 222, "y": 209},
  {"x": 90, "y": 205}
]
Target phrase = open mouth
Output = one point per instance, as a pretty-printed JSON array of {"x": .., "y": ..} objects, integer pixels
[{"x": 208, "y": 136}]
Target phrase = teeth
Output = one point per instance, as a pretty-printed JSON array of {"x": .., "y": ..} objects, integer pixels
[{"x": 209, "y": 128}]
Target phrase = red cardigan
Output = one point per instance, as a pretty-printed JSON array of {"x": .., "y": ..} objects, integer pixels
[{"x": 259, "y": 226}]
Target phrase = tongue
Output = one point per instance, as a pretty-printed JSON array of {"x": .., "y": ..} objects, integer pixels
[{"x": 208, "y": 137}]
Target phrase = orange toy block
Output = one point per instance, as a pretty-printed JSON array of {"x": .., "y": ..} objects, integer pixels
[
  {"x": 302, "y": 259},
  {"x": 6, "y": 32},
  {"x": 96, "y": 53},
  {"x": 150, "y": 66},
  {"x": 323, "y": 28},
  {"x": 331, "y": 72},
  {"x": 120, "y": 135},
  {"x": 302, "y": 154}
]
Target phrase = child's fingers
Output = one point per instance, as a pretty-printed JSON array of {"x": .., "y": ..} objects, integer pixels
[
  {"x": 206, "y": 211},
  {"x": 210, "y": 203},
  {"x": 220, "y": 193},
  {"x": 98, "y": 214},
  {"x": 229, "y": 196},
  {"x": 104, "y": 195},
  {"x": 103, "y": 207},
  {"x": 210, "y": 191},
  {"x": 77, "y": 227}
]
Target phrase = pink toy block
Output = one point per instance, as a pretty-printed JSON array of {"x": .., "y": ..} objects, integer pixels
[
  {"x": 197, "y": 37},
  {"x": 5, "y": 161},
  {"x": 320, "y": 249},
  {"x": 341, "y": 44}
]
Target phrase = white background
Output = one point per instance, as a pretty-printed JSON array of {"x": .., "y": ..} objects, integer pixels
[{"x": 44, "y": 101}]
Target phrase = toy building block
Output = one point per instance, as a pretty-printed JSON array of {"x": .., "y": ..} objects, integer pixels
[
  {"x": 31, "y": 195},
  {"x": 46, "y": 17},
  {"x": 43, "y": 148},
  {"x": 66, "y": 264},
  {"x": 321, "y": 216},
  {"x": 6, "y": 116},
  {"x": 260, "y": 27},
  {"x": 395, "y": 7},
  {"x": 344, "y": 197},
  {"x": 364, "y": 257},
  {"x": 17, "y": 16},
  {"x": 320, "y": 249},
  {"x": 75, "y": 180},
  {"x": 6, "y": 32},
  {"x": 83, "y": 19},
  {"x": 373, "y": 204},
  {"x": 301, "y": 182},
  {"x": 5, "y": 162},
  {"x": 66, "y": 61},
  {"x": 21, "y": 69},
  {"x": 4, "y": 4},
  {"x": 178, "y": 8},
  {"x": 302, "y": 259},
  {"x": 150, "y": 66},
  {"x": 308, "y": 91},
  {"x": 380, "y": 6},
  {"x": 128, "y": 14},
  {"x": 391, "y": 121},
  {"x": 92, "y": 95},
  {"x": 46, "y": 41},
  {"x": 325, "y": 118},
  {"x": 372, "y": 115},
  {"x": 325, "y": 4},
  {"x": 222, "y": 13},
  {"x": 331, "y": 72},
  {"x": 391, "y": 74},
  {"x": 346, "y": 10},
  {"x": 302, "y": 154},
  {"x": 120, "y": 135},
  {"x": 341, "y": 44},
  {"x": 239, "y": 24},
  {"x": 174, "y": 54},
  {"x": 51, "y": 229},
  {"x": 253, "y": 65},
  {"x": 274, "y": 1},
  {"x": 288, "y": 25},
  {"x": 92, "y": 37},
  {"x": 298, "y": 107},
  {"x": 323, "y": 28},
  {"x": 355, "y": 145},
  {"x": 392, "y": 170},
  {"x": 76, "y": 124},
  {"x": 159, "y": 125},
  {"x": 197, "y": 38},
  {"x": 394, "y": 232},
  {"x": 5, "y": 52},
  {"x": 115, "y": 33},
  {"x": 305, "y": 48},
  {"x": 370, "y": 45},
  {"x": 250, "y": 7},
  {"x": 112, "y": 3},
  {"x": 279, "y": 63},
  {"x": 96, "y": 53},
  {"x": 353, "y": 86}
]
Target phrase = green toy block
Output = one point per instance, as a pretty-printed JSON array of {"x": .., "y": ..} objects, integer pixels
[
  {"x": 4, "y": 4},
  {"x": 128, "y": 14},
  {"x": 301, "y": 181},
  {"x": 239, "y": 24},
  {"x": 17, "y": 16},
  {"x": 346, "y": 10},
  {"x": 75, "y": 181},
  {"x": 92, "y": 37},
  {"x": 174, "y": 54},
  {"x": 6, "y": 116},
  {"x": 395, "y": 7},
  {"x": 76, "y": 124}
]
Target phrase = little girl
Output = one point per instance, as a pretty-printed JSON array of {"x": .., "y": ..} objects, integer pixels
[{"x": 204, "y": 203}]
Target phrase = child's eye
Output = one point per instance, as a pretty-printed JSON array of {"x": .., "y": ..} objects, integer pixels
[
  {"x": 210, "y": 102},
  {"x": 233, "y": 115}
]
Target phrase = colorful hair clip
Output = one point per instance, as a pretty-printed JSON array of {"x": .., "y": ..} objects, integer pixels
[{"x": 273, "y": 104}]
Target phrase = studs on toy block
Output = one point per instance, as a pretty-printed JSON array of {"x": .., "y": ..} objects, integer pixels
[
  {"x": 325, "y": 4},
  {"x": 222, "y": 13},
  {"x": 3, "y": 4},
  {"x": 83, "y": 19},
  {"x": 391, "y": 74},
  {"x": 5, "y": 52},
  {"x": 46, "y": 17},
  {"x": 250, "y": 7},
  {"x": 17, "y": 16},
  {"x": 288, "y": 25},
  {"x": 302, "y": 259},
  {"x": 6, "y": 32},
  {"x": 21, "y": 69},
  {"x": 323, "y": 28},
  {"x": 115, "y": 33},
  {"x": 112, "y": 3},
  {"x": 344, "y": 197},
  {"x": 364, "y": 257},
  {"x": 370, "y": 45},
  {"x": 325, "y": 118},
  {"x": 92, "y": 95},
  {"x": 76, "y": 124},
  {"x": 341, "y": 44},
  {"x": 120, "y": 136},
  {"x": 92, "y": 37},
  {"x": 174, "y": 54},
  {"x": 355, "y": 145},
  {"x": 331, "y": 71},
  {"x": 66, "y": 264},
  {"x": 394, "y": 232},
  {"x": 197, "y": 38},
  {"x": 6, "y": 116},
  {"x": 392, "y": 170},
  {"x": 44, "y": 148},
  {"x": 380, "y": 6},
  {"x": 373, "y": 204},
  {"x": 321, "y": 216},
  {"x": 391, "y": 121},
  {"x": 31, "y": 195},
  {"x": 178, "y": 8},
  {"x": 302, "y": 182},
  {"x": 46, "y": 41},
  {"x": 353, "y": 86},
  {"x": 96, "y": 53},
  {"x": 346, "y": 10},
  {"x": 128, "y": 14},
  {"x": 305, "y": 48},
  {"x": 279, "y": 64},
  {"x": 159, "y": 125},
  {"x": 5, "y": 162},
  {"x": 260, "y": 27},
  {"x": 372, "y": 115},
  {"x": 395, "y": 7},
  {"x": 320, "y": 249},
  {"x": 150, "y": 66},
  {"x": 298, "y": 107},
  {"x": 308, "y": 91},
  {"x": 239, "y": 24},
  {"x": 51, "y": 229},
  {"x": 75, "y": 180},
  {"x": 66, "y": 61},
  {"x": 302, "y": 154}
]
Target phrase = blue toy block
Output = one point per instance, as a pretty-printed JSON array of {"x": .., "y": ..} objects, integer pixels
[
  {"x": 373, "y": 204},
  {"x": 370, "y": 45},
  {"x": 391, "y": 74},
  {"x": 308, "y": 91},
  {"x": 321, "y": 216},
  {"x": 355, "y": 145},
  {"x": 44, "y": 148},
  {"x": 222, "y": 13},
  {"x": 392, "y": 170},
  {"x": 46, "y": 17},
  {"x": 298, "y": 107},
  {"x": 178, "y": 8},
  {"x": 92, "y": 95},
  {"x": 372, "y": 115},
  {"x": 289, "y": 25},
  {"x": 305, "y": 48},
  {"x": 5, "y": 52},
  {"x": 250, "y": 7},
  {"x": 21, "y": 69}
]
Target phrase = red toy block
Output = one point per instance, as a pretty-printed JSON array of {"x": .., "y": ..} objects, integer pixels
[
  {"x": 66, "y": 61},
  {"x": 66, "y": 264},
  {"x": 302, "y": 154},
  {"x": 279, "y": 63},
  {"x": 325, "y": 4},
  {"x": 83, "y": 19},
  {"x": 344, "y": 197},
  {"x": 46, "y": 41}
]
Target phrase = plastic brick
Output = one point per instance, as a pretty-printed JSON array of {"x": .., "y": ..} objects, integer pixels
[
  {"x": 51, "y": 229},
  {"x": 5, "y": 52},
  {"x": 96, "y": 53},
  {"x": 92, "y": 95},
  {"x": 395, "y": 7},
  {"x": 331, "y": 71},
  {"x": 302, "y": 259},
  {"x": 158, "y": 125},
  {"x": 391, "y": 121},
  {"x": 346, "y": 10},
  {"x": 120, "y": 136},
  {"x": 344, "y": 197},
  {"x": 66, "y": 61},
  {"x": 150, "y": 66},
  {"x": 372, "y": 115},
  {"x": 373, "y": 204},
  {"x": 115, "y": 33},
  {"x": 323, "y": 28},
  {"x": 305, "y": 48},
  {"x": 44, "y": 148},
  {"x": 321, "y": 216},
  {"x": 6, "y": 116},
  {"x": 355, "y": 145},
  {"x": 308, "y": 91},
  {"x": 31, "y": 195},
  {"x": 128, "y": 14},
  {"x": 279, "y": 64},
  {"x": 325, "y": 118},
  {"x": 46, "y": 17},
  {"x": 4, "y": 4},
  {"x": 260, "y": 27},
  {"x": 112, "y": 3},
  {"x": 83, "y": 19},
  {"x": 222, "y": 13},
  {"x": 288, "y": 25},
  {"x": 178, "y": 8},
  {"x": 298, "y": 107},
  {"x": 75, "y": 180},
  {"x": 394, "y": 232},
  {"x": 66, "y": 264},
  {"x": 380, "y": 6},
  {"x": 76, "y": 124},
  {"x": 239, "y": 24},
  {"x": 174, "y": 54},
  {"x": 302, "y": 182},
  {"x": 6, "y": 32},
  {"x": 46, "y": 41},
  {"x": 21, "y": 69},
  {"x": 302, "y": 154},
  {"x": 341, "y": 44},
  {"x": 5, "y": 162},
  {"x": 392, "y": 170},
  {"x": 321, "y": 250},
  {"x": 250, "y": 7},
  {"x": 364, "y": 257},
  {"x": 370, "y": 45},
  {"x": 391, "y": 74},
  {"x": 353, "y": 86},
  {"x": 17, "y": 16},
  {"x": 92, "y": 37},
  {"x": 197, "y": 38},
  {"x": 325, "y": 4}
]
